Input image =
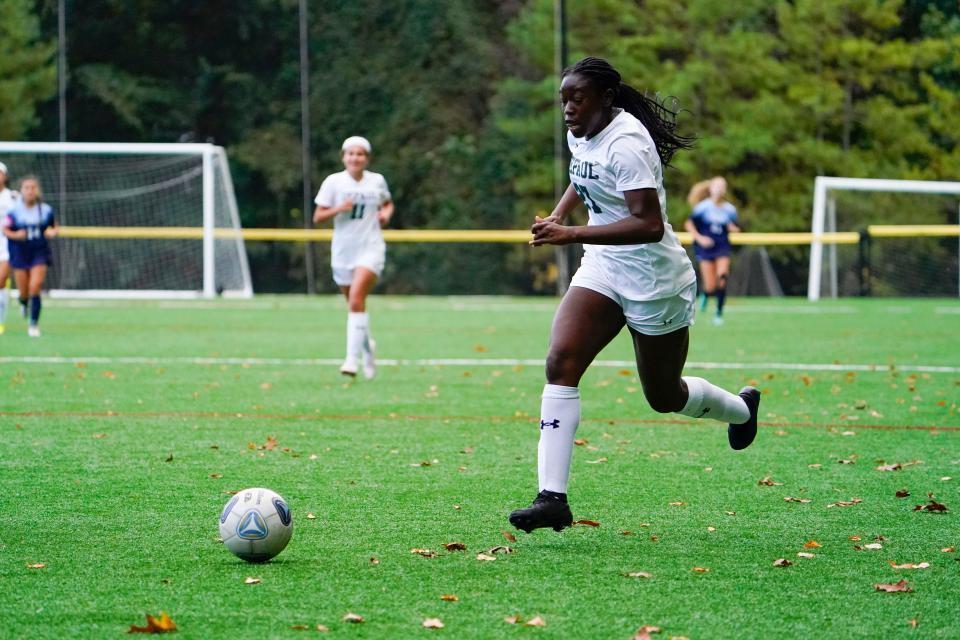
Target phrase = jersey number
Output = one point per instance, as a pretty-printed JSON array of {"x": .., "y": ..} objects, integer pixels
[
  {"x": 356, "y": 213},
  {"x": 34, "y": 233},
  {"x": 585, "y": 196}
]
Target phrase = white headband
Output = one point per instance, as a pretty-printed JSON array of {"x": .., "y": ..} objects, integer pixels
[
  {"x": 3, "y": 168},
  {"x": 356, "y": 141}
]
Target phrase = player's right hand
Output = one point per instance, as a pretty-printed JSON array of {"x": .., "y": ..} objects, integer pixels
[
  {"x": 346, "y": 205},
  {"x": 705, "y": 241}
]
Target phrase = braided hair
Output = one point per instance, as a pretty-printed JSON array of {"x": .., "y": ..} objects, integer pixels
[{"x": 660, "y": 121}]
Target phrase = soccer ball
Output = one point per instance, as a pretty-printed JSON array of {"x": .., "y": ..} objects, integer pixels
[{"x": 256, "y": 524}]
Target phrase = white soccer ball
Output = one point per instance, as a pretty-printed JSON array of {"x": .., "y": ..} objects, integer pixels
[{"x": 256, "y": 524}]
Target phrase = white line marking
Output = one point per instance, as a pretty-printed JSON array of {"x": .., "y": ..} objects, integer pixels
[
  {"x": 462, "y": 362},
  {"x": 944, "y": 310}
]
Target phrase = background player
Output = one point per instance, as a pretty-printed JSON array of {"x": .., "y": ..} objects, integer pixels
[
  {"x": 710, "y": 224},
  {"x": 634, "y": 271},
  {"x": 359, "y": 202},
  {"x": 7, "y": 198},
  {"x": 28, "y": 226}
]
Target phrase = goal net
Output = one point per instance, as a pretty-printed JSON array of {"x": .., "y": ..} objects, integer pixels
[
  {"x": 139, "y": 220},
  {"x": 921, "y": 258}
]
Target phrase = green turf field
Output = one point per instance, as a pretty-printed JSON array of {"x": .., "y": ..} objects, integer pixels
[{"x": 118, "y": 423}]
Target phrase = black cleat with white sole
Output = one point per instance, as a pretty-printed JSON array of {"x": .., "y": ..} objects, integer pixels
[
  {"x": 549, "y": 509},
  {"x": 741, "y": 435}
]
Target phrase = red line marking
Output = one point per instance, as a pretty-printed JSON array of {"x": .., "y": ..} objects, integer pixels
[{"x": 318, "y": 416}]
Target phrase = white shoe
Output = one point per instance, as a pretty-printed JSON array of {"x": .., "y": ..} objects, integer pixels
[
  {"x": 349, "y": 367},
  {"x": 717, "y": 321},
  {"x": 369, "y": 363},
  {"x": 33, "y": 331}
]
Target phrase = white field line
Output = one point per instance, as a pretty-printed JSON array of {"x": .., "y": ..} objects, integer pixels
[{"x": 462, "y": 362}]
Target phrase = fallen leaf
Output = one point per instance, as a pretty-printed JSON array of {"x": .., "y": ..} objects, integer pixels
[
  {"x": 768, "y": 482},
  {"x": 909, "y": 565},
  {"x": 782, "y": 562},
  {"x": 845, "y": 503},
  {"x": 711, "y": 529},
  {"x": 306, "y": 627},
  {"x": 311, "y": 516},
  {"x": 500, "y": 549},
  {"x": 162, "y": 624},
  {"x": 535, "y": 621},
  {"x": 597, "y": 461},
  {"x": 266, "y": 385},
  {"x": 812, "y": 544},
  {"x": 589, "y": 523},
  {"x": 946, "y": 479},
  {"x": 815, "y": 465},
  {"x": 700, "y": 570},
  {"x": 902, "y": 493},
  {"x": 216, "y": 476},
  {"x": 509, "y": 536},
  {"x": 626, "y": 533},
  {"x": 913, "y": 622},
  {"x": 792, "y": 499},
  {"x": 855, "y": 538},
  {"x": 678, "y": 503},
  {"x": 845, "y": 462},
  {"x": 643, "y": 633},
  {"x": 580, "y": 442},
  {"x": 730, "y": 513},
  {"x": 99, "y": 436},
  {"x": 948, "y": 550},
  {"x": 251, "y": 580},
  {"x": 374, "y": 560},
  {"x": 455, "y": 546},
  {"x": 169, "y": 458},
  {"x": 432, "y": 623},
  {"x": 804, "y": 554},
  {"x": 353, "y": 617},
  {"x": 933, "y": 506},
  {"x": 637, "y": 574},
  {"x": 449, "y": 597},
  {"x": 270, "y": 444},
  {"x": 893, "y": 588},
  {"x": 37, "y": 565},
  {"x": 512, "y": 619},
  {"x": 426, "y": 553},
  {"x": 873, "y": 546},
  {"x": 485, "y": 557}
]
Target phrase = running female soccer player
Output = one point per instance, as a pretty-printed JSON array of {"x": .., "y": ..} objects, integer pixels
[
  {"x": 7, "y": 198},
  {"x": 633, "y": 272},
  {"x": 359, "y": 201},
  {"x": 28, "y": 226},
  {"x": 710, "y": 224}
]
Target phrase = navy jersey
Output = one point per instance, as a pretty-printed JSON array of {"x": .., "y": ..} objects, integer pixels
[
  {"x": 711, "y": 220},
  {"x": 35, "y": 220}
]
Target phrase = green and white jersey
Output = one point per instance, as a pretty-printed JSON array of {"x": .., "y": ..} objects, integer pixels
[
  {"x": 356, "y": 231},
  {"x": 623, "y": 157}
]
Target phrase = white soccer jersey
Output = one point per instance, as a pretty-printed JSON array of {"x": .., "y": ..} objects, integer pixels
[
  {"x": 357, "y": 231},
  {"x": 6, "y": 204},
  {"x": 623, "y": 157}
]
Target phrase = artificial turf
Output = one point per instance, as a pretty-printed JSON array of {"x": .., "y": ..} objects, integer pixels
[{"x": 128, "y": 423}]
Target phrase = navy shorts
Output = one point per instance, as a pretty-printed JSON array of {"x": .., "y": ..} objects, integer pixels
[
  {"x": 712, "y": 253},
  {"x": 26, "y": 257}
]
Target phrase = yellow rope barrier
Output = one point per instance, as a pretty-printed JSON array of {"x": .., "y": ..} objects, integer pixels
[{"x": 486, "y": 236}]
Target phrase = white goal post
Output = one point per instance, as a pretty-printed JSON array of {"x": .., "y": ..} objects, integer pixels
[
  {"x": 825, "y": 216},
  {"x": 122, "y": 187}
]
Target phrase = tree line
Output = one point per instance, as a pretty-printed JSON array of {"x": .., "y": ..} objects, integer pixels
[{"x": 459, "y": 101}]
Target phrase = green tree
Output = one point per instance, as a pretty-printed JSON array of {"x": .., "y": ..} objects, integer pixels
[{"x": 28, "y": 73}]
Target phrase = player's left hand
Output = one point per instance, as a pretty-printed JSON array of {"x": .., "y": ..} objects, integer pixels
[
  {"x": 51, "y": 232},
  {"x": 383, "y": 218},
  {"x": 546, "y": 231}
]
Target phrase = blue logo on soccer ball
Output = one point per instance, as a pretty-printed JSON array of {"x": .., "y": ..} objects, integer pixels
[
  {"x": 252, "y": 526},
  {"x": 283, "y": 510},
  {"x": 226, "y": 509}
]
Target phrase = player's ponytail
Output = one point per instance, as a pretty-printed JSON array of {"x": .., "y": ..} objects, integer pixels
[
  {"x": 660, "y": 120},
  {"x": 698, "y": 193}
]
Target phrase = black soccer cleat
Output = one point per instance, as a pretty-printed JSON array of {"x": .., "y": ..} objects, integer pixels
[
  {"x": 549, "y": 509},
  {"x": 741, "y": 435}
]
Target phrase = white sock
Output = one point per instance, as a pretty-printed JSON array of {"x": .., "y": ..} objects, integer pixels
[
  {"x": 4, "y": 299},
  {"x": 559, "y": 418},
  {"x": 356, "y": 330},
  {"x": 710, "y": 401},
  {"x": 365, "y": 343}
]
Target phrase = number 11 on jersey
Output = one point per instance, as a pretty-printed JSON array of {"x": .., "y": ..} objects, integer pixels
[{"x": 585, "y": 196}]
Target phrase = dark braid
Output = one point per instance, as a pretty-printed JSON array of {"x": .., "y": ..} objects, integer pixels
[{"x": 659, "y": 120}]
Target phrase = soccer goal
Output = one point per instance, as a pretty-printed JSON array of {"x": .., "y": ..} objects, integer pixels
[
  {"x": 139, "y": 220},
  {"x": 866, "y": 257}
]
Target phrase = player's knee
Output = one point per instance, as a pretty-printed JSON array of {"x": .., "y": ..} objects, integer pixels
[
  {"x": 563, "y": 367},
  {"x": 357, "y": 305}
]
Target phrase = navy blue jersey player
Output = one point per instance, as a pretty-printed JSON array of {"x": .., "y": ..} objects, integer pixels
[
  {"x": 710, "y": 224},
  {"x": 28, "y": 226}
]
